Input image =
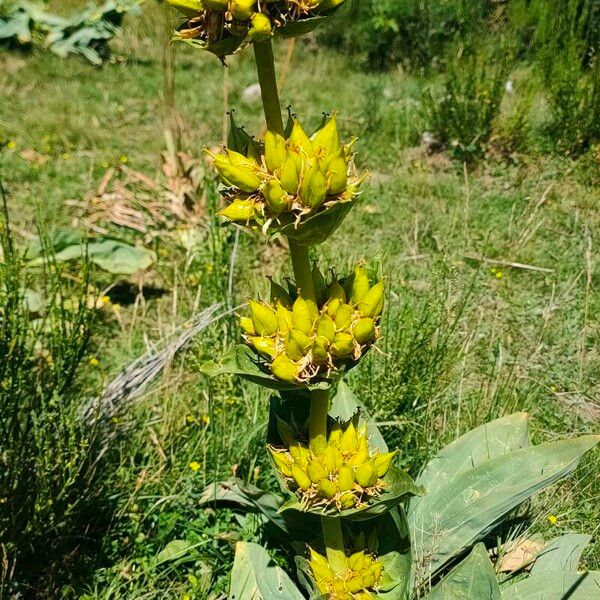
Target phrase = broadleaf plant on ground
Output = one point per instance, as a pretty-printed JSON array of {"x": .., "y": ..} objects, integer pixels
[{"x": 381, "y": 534}]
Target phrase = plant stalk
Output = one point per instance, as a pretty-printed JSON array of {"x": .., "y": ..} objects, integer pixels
[
  {"x": 302, "y": 270},
  {"x": 334, "y": 544},
  {"x": 317, "y": 423},
  {"x": 265, "y": 66}
]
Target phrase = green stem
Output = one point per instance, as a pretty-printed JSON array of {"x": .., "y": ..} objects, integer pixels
[
  {"x": 302, "y": 270},
  {"x": 334, "y": 544},
  {"x": 265, "y": 66},
  {"x": 317, "y": 424}
]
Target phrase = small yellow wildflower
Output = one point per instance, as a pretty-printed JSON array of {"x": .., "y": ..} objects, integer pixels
[
  {"x": 205, "y": 419},
  {"x": 94, "y": 362},
  {"x": 11, "y": 145},
  {"x": 190, "y": 419},
  {"x": 553, "y": 388},
  {"x": 124, "y": 160},
  {"x": 105, "y": 300},
  {"x": 186, "y": 597},
  {"x": 553, "y": 519},
  {"x": 194, "y": 465},
  {"x": 104, "y": 164},
  {"x": 499, "y": 274},
  {"x": 66, "y": 155}
]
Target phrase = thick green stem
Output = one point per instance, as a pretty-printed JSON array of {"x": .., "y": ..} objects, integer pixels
[
  {"x": 334, "y": 544},
  {"x": 317, "y": 424},
  {"x": 302, "y": 270},
  {"x": 265, "y": 66}
]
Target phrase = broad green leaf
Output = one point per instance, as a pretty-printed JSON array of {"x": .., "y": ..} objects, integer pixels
[
  {"x": 450, "y": 520},
  {"x": 241, "y": 360},
  {"x": 318, "y": 228},
  {"x": 114, "y": 256},
  {"x": 472, "y": 579},
  {"x": 556, "y": 586},
  {"x": 398, "y": 487},
  {"x": 256, "y": 577},
  {"x": 475, "y": 447},
  {"x": 174, "y": 550},
  {"x": 345, "y": 405},
  {"x": 561, "y": 554}
]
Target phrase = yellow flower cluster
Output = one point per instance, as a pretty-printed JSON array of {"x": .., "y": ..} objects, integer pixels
[
  {"x": 302, "y": 341},
  {"x": 248, "y": 18},
  {"x": 362, "y": 576},
  {"x": 288, "y": 179},
  {"x": 342, "y": 473}
]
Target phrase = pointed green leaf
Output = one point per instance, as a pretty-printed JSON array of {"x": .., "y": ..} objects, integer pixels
[
  {"x": 472, "y": 579},
  {"x": 174, "y": 550},
  {"x": 256, "y": 577},
  {"x": 561, "y": 554},
  {"x": 477, "y": 446},
  {"x": 467, "y": 507},
  {"x": 556, "y": 586},
  {"x": 345, "y": 405},
  {"x": 318, "y": 228}
]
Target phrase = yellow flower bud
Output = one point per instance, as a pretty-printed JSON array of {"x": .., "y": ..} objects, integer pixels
[
  {"x": 302, "y": 316},
  {"x": 301, "y": 478},
  {"x": 260, "y": 27},
  {"x": 343, "y": 345},
  {"x": 336, "y": 291},
  {"x": 356, "y": 561},
  {"x": 329, "y": 459},
  {"x": 343, "y": 317},
  {"x": 239, "y": 160},
  {"x": 376, "y": 569},
  {"x": 189, "y": 8},
  {"x": 300, "y": 454},
  {"x": 282, "y": 462},
  {"x": 239, "y": 210},
  {"x": 345, "y": 479},
  {"x": 264, "y": 319},
  {"x": 320, "y": 350},
  {"x": 299, "y": 141},
  {"x": 239, "y": 176},
  {"x": 337, "y": 174},
  {"x": 292, "y": 348},
  {"x": 325, "y": 327},
  {"x": 242, "y": 9},
  {"x": 275, "y": 196},
  {"x": 320, "y": 566},
  {"x": 316, "y": 471},
  {"x": 372, "y": 304},
  {"x": 364, "y": 330},
  {"x": 247, "y": 325},
  {"x": 349, "y": 440},
  {"x": 288, "y": 175},
  {"x": 368, "y": 580},
  {"x": 348, "y": 500},
  {"x": 335, "y": 435},
  {"x": 364, "y": 474},
  {"x": 313, "y": 190},
  {"x": 326, "y": 141},
  {"x": 383, "y": 462},
  {"x": 354, "y": 584},
  {"x": 362, "y": 452},
  {"x": 284, "y": 318},
  {"x": 285, "y": 369},
  {"x": 360, "y": 284},
  {"x": 265, "y": 346},
  {"x": 327, "y": 489},
  {"x": 275, "y": 151}
]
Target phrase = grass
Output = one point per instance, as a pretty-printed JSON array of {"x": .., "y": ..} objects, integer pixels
[{"x": 493, "y": 303}]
